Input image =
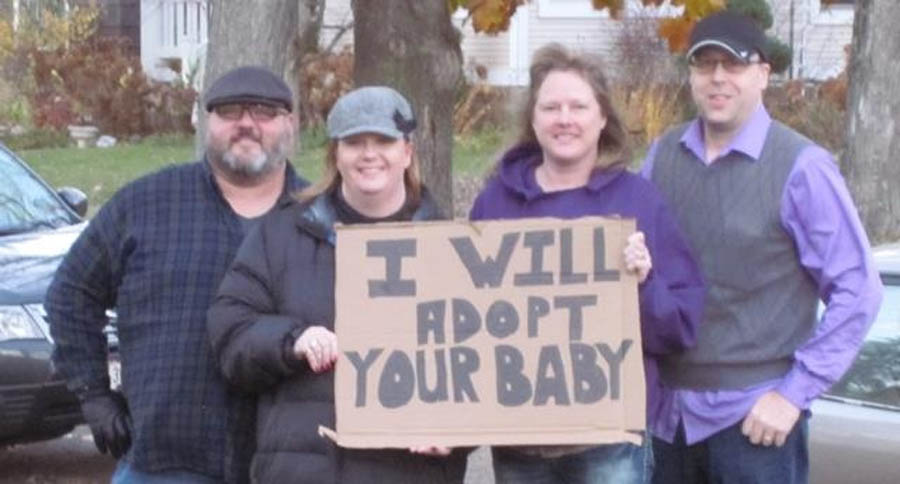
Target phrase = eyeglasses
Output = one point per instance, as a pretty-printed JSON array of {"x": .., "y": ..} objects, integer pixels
[
  {"x": 732, "y": 65},
  {"x": 258, "y": 112}
]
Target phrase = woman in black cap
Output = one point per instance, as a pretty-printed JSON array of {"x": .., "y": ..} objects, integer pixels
[{"x": 272, "y": 324}]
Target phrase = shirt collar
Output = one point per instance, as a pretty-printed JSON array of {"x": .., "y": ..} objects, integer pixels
[{"x": 749, "y": 140}]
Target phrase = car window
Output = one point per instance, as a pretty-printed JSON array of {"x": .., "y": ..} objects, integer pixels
[
  {"x": 25, "y": 202},
  {"x": 875, "y": 375}
]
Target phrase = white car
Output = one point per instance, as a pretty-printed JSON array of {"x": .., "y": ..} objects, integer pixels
[{"x": 854, "y": 432}]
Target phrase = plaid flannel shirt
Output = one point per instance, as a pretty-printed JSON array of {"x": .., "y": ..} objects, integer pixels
[{"x": 156, "y": 252}]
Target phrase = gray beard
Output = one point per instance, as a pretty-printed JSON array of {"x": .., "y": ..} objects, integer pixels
[
  {"x": 257, "y": 167},
  {"x": 261, "y": 165}
]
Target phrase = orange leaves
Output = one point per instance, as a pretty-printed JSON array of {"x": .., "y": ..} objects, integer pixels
[
  {"x": 492, "y": 16},
  {"x": 676, "y": 31},
  {"x": 488, "y": 16},
  {"x": 697, "y": 9},
  {"x": 615, "y": 6}
]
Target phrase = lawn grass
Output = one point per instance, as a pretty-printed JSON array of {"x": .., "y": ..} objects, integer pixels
[
  {"x": 476, "y": 154},
  {"x": 100, "y": 172}
]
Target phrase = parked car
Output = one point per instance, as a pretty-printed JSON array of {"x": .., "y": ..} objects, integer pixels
[
  {"x": 37, "y": 226},
  {"x": 855, "y": 426}
]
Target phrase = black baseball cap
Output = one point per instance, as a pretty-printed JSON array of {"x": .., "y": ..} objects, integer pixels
[
  {"x": 732, "y": 32},
  {"x": 249, "y": 84}
]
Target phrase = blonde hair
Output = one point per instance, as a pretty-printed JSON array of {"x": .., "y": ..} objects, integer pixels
[
  {"x": 612, "y": 145},
  {"x": 332, "y": 177}
]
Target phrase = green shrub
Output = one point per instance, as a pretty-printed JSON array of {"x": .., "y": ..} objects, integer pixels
[
  {"x": 780, "y": 54},
  {"x": 15, "y": 111},
  {"x": 758, "y": 10}
]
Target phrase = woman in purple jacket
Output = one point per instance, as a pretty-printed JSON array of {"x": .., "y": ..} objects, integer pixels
[{"x": 570, "y": 161}]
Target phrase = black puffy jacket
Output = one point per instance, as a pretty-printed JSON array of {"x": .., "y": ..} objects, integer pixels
[{"x": 282, "y": 281}]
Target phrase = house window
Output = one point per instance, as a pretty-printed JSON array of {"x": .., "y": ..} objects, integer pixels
[
  {"x": 569, "y": 9},
  {"x": 839, "y": 12}
]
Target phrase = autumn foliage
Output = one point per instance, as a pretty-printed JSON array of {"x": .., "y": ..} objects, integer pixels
[
  {"x": 492, "y": 16},
  {"x": 324, "y": 77},
  {"x": 487, "y": 16},
  {"x": 99, "y": 81},
  {"x": 675, "y": 30}
]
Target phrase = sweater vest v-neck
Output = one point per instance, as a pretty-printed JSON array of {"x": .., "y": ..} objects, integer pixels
[{"x": 761, "y": 302}]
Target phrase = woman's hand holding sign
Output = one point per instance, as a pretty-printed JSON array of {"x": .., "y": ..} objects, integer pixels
[
  {"x": 637, "y": 257},
  {"x": 318, "y": 346}
]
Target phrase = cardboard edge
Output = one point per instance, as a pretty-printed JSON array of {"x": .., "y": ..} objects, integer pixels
[
  {"x": 561, "y": 437},
  {"x": 475, "y": 225}
]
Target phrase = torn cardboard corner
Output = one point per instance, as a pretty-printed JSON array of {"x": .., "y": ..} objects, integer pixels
[
  {"x": 519, "y": 332},
  {"x": 328, "y": 433}
]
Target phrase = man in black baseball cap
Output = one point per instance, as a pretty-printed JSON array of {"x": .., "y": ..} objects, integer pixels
[
  {"x": 775, "y": 231},
  {"x": 728, "y": 72}
]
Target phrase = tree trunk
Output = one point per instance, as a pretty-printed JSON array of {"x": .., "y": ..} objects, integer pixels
[
  {"x": 412, "y": 46},
  {"x": 312, "y": 13},
  {"x": 255, "y": 32},
  {"x": 873, "y": 131}
]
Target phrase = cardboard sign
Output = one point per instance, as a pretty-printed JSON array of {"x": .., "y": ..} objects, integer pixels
[{"x": 487, "y": 333}]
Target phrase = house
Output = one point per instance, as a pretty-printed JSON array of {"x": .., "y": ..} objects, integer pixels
[
  {"x": 173, "y": 36},
  {"x": 173, "y": 33},
  {"x": 121, "y": 18},
  {"x": 817, "y": 35}
]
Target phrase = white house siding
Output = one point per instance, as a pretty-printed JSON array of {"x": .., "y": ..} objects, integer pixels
[
  {"x": 596, "y": 34},
  {"x": 337, "y": 14},
  {"x": 823, "y": 53},
  {"x": 819, "y": 36},
  {"x": 508, "y": 55},
  {"x": 172, "y": 29},
  {"x": 495, "y": 53},
  {"x": 490, "y": 52}
]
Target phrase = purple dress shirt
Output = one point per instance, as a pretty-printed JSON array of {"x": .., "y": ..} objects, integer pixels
[{"x": 818, "y": 213}]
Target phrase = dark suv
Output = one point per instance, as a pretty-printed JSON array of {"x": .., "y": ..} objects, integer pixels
[{"x": 37, "y": 226}]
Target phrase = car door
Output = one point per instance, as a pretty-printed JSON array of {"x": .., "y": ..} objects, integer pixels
[{"x": 855, "y": 427}]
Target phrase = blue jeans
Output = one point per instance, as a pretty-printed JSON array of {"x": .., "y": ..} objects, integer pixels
[
  {"x": 127, "y": 474},
  {"x": 612, "y": 463},
  {"x": 728, "y": 457}
]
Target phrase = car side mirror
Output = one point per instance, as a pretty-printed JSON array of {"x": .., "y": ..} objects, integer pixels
[{"x": 74, "y": 198}]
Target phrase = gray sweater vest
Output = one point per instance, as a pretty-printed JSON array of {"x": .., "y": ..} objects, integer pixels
[{"x": 760, "y": 302}]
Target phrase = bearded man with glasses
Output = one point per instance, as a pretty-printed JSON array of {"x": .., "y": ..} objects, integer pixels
[
  {"x": 770, "y": 218},
  {"x": 156, "y": 253}
]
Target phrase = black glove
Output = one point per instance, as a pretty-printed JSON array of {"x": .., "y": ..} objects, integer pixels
[{"x": 107, "y": 415}]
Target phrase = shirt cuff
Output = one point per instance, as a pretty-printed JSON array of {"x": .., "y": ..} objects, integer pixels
[
  {"x": 287, "y": 349},
  {"x": 801, "y": 387}
]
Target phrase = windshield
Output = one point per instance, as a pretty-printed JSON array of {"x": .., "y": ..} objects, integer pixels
[
  {"x": 25, "y": 203},
  {"x": 875, "y": 376}
]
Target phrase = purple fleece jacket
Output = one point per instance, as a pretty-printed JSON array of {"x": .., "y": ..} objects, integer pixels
[{"x": 671, "y": 298}]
